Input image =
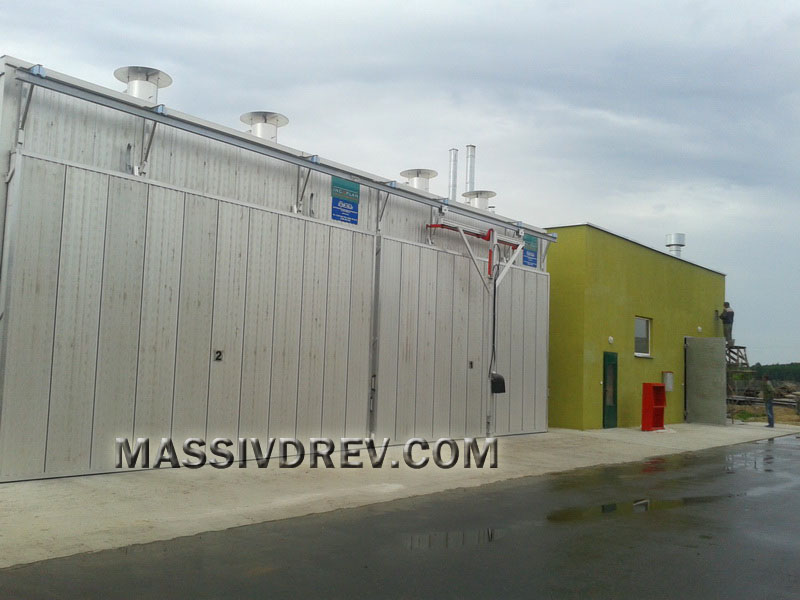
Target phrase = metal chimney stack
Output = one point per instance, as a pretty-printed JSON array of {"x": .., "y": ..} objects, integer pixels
[
  {"x": 470, "y": 182},
  {"x": 264, "y": 124},
  {"x": 676, "y": 241},
  {"x": 453, "y": 183},
  {"x": 143, "y": 82},
  {"x": 419, "y": 178}
]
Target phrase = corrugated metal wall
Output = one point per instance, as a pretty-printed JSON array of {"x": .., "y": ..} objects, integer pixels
[
  {"x": 434, "y": 346},
  {"x": 121, "y": 292}
]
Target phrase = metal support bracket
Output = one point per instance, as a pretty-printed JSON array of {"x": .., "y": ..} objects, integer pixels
[
  {"x": 507, "y": 266},
  {"x": 545, "y": 247},
  {"x": 474, "y": 260},
  {"x": 23, "y": 117},
  {"x": 141, "y": 168},
  {"x": 382, "y": 209},
  {"x": 298, "y": 205}
]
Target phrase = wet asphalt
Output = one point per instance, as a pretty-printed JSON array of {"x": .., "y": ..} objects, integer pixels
[{"x": 720, "y": 523}]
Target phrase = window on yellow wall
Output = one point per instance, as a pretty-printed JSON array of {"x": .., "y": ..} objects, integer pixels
[{"x": 641, "y": 332}]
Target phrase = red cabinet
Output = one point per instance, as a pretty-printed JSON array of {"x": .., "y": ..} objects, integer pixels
[{"x": 654, "y": 401}]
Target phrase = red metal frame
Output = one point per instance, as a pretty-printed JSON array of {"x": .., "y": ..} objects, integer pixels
[{"x": 485, "y": 237}]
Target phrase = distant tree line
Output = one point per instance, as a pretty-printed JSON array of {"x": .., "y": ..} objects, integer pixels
[{"x": 787, "y": 372}]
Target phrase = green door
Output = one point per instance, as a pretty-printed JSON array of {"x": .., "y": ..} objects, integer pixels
[{"x": 609, "y": 389}]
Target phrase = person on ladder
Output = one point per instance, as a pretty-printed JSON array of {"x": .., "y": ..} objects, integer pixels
[{"x": 727, "y": 323}]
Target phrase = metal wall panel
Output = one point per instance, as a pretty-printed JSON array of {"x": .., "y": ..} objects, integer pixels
[
  {"x": 462, "y": 268},
  {"x": 228, "y": 321},
  {"x": 407, "y": 343},
  {"x": 476, "y": 368},
  {"x": 360, "y": 336},
  {"x": 312, "y": 331},
  {"x": 30, "y": 313},
  {"x": 542, "y": 336},
  {"x": 72, "y": 381},
  {"x": 288, "y": 300},
  {"x": 443, "y": 353},
  {"x": 516, "y": 384},
  {"x": 120, "y": 311},
  {"x": 159, "y": 321},
  {"x": 503, "y": 366},
  {"x": 195, "y": 310},
  {"x": 286, "y": 337},
  {"x": 259, "y": 320},
  {"x": 530, "y": 344},
  {"x": 388, "y": 338},
  {"x": 280, "y": 191},
  {"x": 81, "y": 132},
  {"x": 426, "y": 343},
  {"x": 337, "y": 332}
]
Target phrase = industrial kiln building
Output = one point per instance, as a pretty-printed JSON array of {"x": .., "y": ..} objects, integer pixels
[{"x": 165, "y": 276}]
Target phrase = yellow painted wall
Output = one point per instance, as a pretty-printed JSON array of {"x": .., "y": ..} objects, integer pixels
[
  {"x": 566, "y": 262},
  {"x": 604, "y": 281}
]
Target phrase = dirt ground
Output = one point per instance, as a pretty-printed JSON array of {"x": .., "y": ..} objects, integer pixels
[{"x": 755, "y": 413}]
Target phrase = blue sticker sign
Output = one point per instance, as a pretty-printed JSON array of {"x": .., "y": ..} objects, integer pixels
[
  {"x": 344, "y": 200},
  {"x": 530, "y": 253}
]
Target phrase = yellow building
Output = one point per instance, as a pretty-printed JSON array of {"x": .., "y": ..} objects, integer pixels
[{"x": 620, "y": 312}]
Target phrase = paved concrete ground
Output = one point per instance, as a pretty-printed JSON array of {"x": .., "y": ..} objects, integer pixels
[
  {"x": 713, "y": 523},
  {"x": 59, "y": 517}
]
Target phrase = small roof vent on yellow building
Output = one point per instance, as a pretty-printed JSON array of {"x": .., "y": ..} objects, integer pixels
[{"x": 675, "y": 242}]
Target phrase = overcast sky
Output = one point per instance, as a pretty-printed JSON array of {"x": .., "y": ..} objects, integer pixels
[{"x": 643, "y": 117}]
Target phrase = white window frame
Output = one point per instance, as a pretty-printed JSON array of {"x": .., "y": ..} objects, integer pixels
[{"x": 649, "y": 322}]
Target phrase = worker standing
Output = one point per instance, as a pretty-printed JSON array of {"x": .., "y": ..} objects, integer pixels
[
  {"x": 727, "y": 323},
  {"x": 768, "y": 391}
]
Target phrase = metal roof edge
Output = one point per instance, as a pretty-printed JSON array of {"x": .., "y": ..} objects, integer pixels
[{"x": 170, "y": 114}]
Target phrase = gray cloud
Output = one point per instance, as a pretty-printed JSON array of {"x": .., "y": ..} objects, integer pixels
[{"x": 645, "y": 119}]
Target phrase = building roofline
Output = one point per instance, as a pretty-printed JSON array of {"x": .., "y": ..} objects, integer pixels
[
  {"x": 632, "y": 241},
  {"x": 62, "y": 83}
]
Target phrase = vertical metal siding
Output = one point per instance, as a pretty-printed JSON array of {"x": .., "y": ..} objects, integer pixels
[
  {"x": 460, "y": 361},
  {"x": 388, "y": 337},
  {"x": 407, "y": 342},
  {"x": 120, "y": 311},
  {"x": 337, "y": 332},
  {"x": 123, "y": 303},
  {"x": 542, "y": 337},
  {"x": 69, "y": 431},
  {"x": 286, "y": 337},
  {"x": 504, "y": 325},
  {"x": 476, "y": 373},
  {"x": 33, "y": 281},
  {"x": 193, "y": 353},
  {"x": 517, "y": 368},
  {"x": 442, "y": 363},
  {"x": 530, "y": 375},
  {"x": 259, "y": 320},
  {"x": 159, "y": 322},
  {"x": 312, "y": 331},
  {"x": 426, "y": 343},
  {"x": 359, "y": 339},
  {"x": 228, "y": 321}
]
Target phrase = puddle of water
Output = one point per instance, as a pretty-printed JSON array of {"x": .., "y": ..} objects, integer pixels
[
  {"x": 642, "y": 505},
  {"x": 448, "y": 540}
]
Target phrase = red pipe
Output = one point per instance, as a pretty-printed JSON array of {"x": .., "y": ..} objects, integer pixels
[{"x": 485, "y": 237}]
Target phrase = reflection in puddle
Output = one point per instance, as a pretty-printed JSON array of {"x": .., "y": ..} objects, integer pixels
[
  {"x": 443, "y": 540},
  {"x": 759, "y": 460},
  {"x": 627, "y": 508}
]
